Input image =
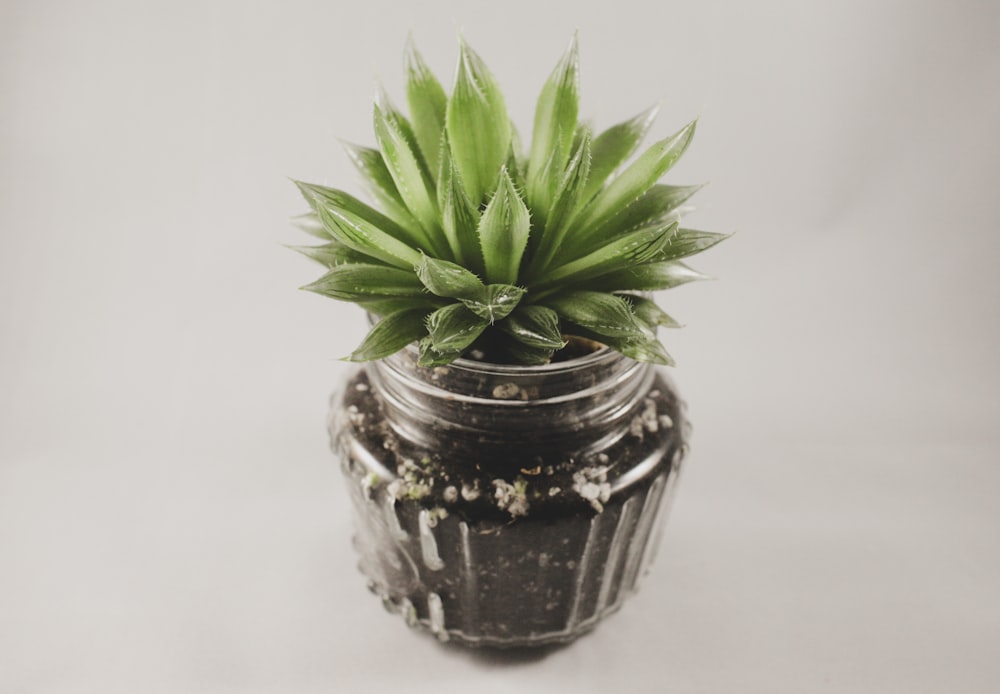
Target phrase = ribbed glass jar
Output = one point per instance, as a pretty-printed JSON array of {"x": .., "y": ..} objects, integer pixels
[{"x": 503, "y": 505}]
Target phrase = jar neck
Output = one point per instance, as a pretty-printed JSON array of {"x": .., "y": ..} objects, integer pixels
[{"x": 549, "y": 411}]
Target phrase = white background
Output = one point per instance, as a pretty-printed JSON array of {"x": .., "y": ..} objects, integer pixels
[{"x": 170, "y": 518}]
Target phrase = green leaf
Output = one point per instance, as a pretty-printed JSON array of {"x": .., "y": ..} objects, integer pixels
[
  {"x": 431, "y": 357},
  {"x": 535, "y": 326},
  {"x": 648, "y": 313},
  {"x": 555, "y": 125},
  {"x": 513, "y": 351},
  {"x": 647, "y": 277},
  {"x": 428, "y": 104},
  {"x": 460, "y": 218},
  {"x": 478, "y": 125},
  {"x": 391, "y": 334},
  {"x": 380, "y": 185},
  {"x": 606, "y": 315},
  {"x": 647, "y": 350},
  {"x": 495, "y": 302},
  {"x": 310, "y": 224},
  {"x": 657, "y": 205},
  {"x": 453, "y": 328},
  {"x": 688, "y": 242},
  {"x": 564, "y": 205},
  {"x": 634, "y": 248},
  {"x": 635, "y": 180},
  {"x": 410, "y": 178},
  {"x": 358, "y": 226},
  {"x": 503, "y": 232},
  {"x": 357, "y": 281},
  {"x": 614, "y": 146},
  {"x": 383, "y": 307},
  {"x": 447, "y": 279},
  {"x": 332, "y": 254}
]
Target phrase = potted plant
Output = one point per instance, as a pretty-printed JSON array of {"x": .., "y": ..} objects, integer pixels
[{"x": 509, "y": 446}]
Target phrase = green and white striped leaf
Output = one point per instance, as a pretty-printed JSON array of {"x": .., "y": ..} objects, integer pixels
[
  {"x": 647, "y": 277},
  {"x": 555, "y": 124},
  {"x": 614, "y": 146},
  {"x": 535, "y": 326},
  {"x": 495, "y": 302},
  {"x": 447, "y": 279},
  {"x": 603, "y": 314},
  {"x": 478, "y": 125},
  {"x": 648, "y": 349},
  {"x": 453, "y": 328},
  {"x": 358, "y": 226},
  {"x": 503, "y": 233},
  {"x": 635, "y": 180},
  {"x": 391, "y": 334},
  {"x": 357, "y": 282},
  {"x": 428, "y": 104}
]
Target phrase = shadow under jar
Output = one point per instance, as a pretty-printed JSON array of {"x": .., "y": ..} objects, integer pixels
[{"x": 508, "y": 506}]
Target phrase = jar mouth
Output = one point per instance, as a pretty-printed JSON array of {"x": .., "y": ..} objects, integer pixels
[{"x": 598, "y": 357}]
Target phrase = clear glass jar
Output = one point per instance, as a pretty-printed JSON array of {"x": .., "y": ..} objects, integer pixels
[{"x": 501, "y": 505}]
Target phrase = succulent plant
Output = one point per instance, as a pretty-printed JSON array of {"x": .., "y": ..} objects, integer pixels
[{"x": 475, "y": 247}]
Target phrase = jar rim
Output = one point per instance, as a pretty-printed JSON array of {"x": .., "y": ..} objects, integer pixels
[{"x": 597, "y": 357}]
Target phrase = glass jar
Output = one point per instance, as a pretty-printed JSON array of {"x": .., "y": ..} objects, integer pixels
[{"x": 501, "y": 505}]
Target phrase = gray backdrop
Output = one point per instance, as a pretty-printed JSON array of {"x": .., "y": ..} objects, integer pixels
[{"x": 170, "y": 519}]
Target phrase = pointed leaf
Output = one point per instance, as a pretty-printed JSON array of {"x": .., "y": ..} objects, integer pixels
[
  {"x": 514, "y": 351},
  {"x": 535, "y": 326},
  {"x": 411, "y": 180},
  {"x": 381, "y": 186},
  {"x": 555, "y": 124},
  {"x": 647, "y": 277},
  {"x": 647, "y": 350},
  {"x": 453, "y": 328},
  {"x": 310, "y": 224},
  {"x": 648, "y": 313},
  {"x": 688, "y": 242},
  {"x": 635, "y": 180},
  {"x": 428, "y": 104},
  {"x": 634, "y": 248},
  {"x": 447, "y": 279},
  {"x": 460, "y": 218},
  {"x": 503, "y": 233},
  {"x": 357, "y": 226},
  {"x": 383, "y": 307},
  {"x": 478, "y": 125},
  {"x": 391, "y": 334},
  {"x": 357, "y": 282},
  {"x": 333, "y": 253},
  {"x": 431, "y": 357},
  {"x": 564, "y": 205},
  {"x": 495, "y": 302},
  {"x": 614, "y": 146},
  {"x": 606, "y": 315},
  {"x": 659, "y": 204}
]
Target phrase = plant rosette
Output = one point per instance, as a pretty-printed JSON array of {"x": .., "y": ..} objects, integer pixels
[{"x": 509, "y": 445}]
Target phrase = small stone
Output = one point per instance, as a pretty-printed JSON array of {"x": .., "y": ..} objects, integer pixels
[
  {"x": 450, "y": 494},
  {"x": 361, "y": 387},
  {"x": 506, "y": 391},
  {"x": 665, "y": 421},
  {"x": 554, "y": 491},
  {"x": 470, "y": 492}
]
